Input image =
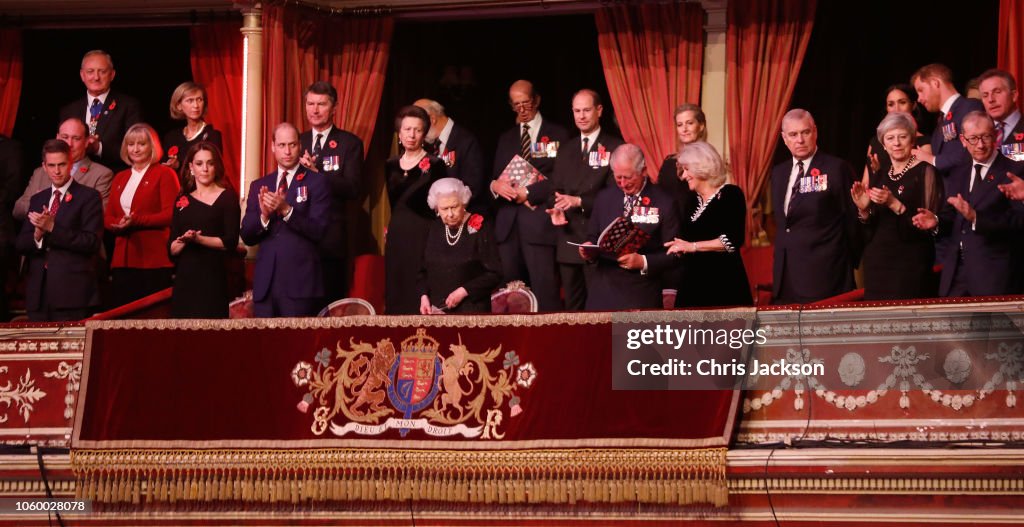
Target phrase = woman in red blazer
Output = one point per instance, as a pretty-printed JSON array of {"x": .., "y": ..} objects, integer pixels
[{"x": 139, "y": 214}]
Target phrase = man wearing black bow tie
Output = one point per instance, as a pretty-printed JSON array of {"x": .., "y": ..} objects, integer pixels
[{"x": 107, "y": 113}]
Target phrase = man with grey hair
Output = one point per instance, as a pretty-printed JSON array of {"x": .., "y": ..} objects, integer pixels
[
  {"x": 633, "y": 277},
  {"x": 814, "y": 216},
  {"x": 999, "y": 95},
  {"x": 985, "y": 227},
  {"x": 107, "y": 113},
  {"x": 460, "y": 151}
]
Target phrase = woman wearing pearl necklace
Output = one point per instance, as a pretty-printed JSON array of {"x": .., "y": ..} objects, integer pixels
[
  {"x": 460, "y": 265},
  {"x": 897, "y": 255}
]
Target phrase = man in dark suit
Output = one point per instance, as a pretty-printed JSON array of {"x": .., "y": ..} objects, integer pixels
[
  {"x": 999, "y": 95},
  {"x": 286, "y": 213},
  {"x": 984, "y": 225},
  {"x": 61, "y": 241},
  {"x": 815, "y": 218},
  {"x": 526, "y": 237},
  {"x": 936, "y": 92},
  {"x": 580, "y": 173},
  {"x": 83, "y": 170},
  {"x": 107, "y": 113},
  {"x": 460, "y": 151},
  {"x": 635, "y": 280},
  {"x": 338, "y": 155}
]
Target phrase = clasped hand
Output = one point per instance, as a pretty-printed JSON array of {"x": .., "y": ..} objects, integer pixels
[
  {"x": 42, "y": 221},
  {"x": 272, "y": 203}
]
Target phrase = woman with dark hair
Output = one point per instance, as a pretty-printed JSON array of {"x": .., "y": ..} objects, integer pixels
[
  {"x": 409, "y": 177},
  {"x": 138, "y": 212},
  {"x": 204, "y": 229},
  {"x": 188, "y": 103},
  {"x": 898, "y": 98}
]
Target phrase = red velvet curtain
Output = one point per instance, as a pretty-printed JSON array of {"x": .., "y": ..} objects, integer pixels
[
  {"x": 217, "y": 65},
  {"x": 351, "y": 53},
  {"x": 765, "y": 46},
  {"x": 1011, "y": 34},
  {"x": 652, "y": 56},
  {"x": 10, "y": 78}
]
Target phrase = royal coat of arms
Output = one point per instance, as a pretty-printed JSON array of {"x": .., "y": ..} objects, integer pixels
[{"x": 370, "y": 389}]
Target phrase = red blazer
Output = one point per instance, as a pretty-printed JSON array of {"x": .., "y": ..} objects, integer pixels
[{"x": 144, "y": 244}]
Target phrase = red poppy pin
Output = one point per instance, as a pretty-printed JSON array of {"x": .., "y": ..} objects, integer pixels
[
  {"x": 815, "y": 172},
  {"x": 600, "y": 149},
  {"x": 1018, "y": 137},
  {"x": 544, "y": 139},
  {"x": 989, "y": 177},
  {"x": 332, "y": 143},
  {"x": 645, "y": 201},
  {"x": 300, "y": 176},
  {"x": 172, "y": 151},
  {"x": 113, "y": 104},
  {"x": 67, "y": 198},
  {"x": 424, "y": 164},
  {"x": 475, "y": 222},
  {"x": 182, "y": 203},
  {"x": 900, "y": 190},
  {"x": 83, "y": 169},
  {"x": 949, "y": 116}
]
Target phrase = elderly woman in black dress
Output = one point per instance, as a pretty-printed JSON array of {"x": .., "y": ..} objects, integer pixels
[
  {"x": 204, "y": 230},
  {"x": 460, "y": 264},
  {"x": 898, "y": 256},
  {"x": 408, "y": 176},
  {"x": 712, "y": 230},
  {"x": 188, "y": 103}
]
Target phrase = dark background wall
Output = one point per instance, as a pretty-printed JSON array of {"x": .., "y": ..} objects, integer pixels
[{"x": 856, "y": 50}]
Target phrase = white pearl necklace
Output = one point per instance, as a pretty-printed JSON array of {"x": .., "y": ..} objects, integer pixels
[{"x": 452, "y": 240}]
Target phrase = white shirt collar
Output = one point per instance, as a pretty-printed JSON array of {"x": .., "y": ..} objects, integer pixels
[
  {"x": 139, "y": 173},
  {"x": 807, "y": 162},
  {"x": 1010, "y": 123},
  {"x": 591, "y": 137},
  {"x": 446, "y": 132},
  {"x": 326, "y": 132},
  {"x": 946, "y": 106},
  {"x": 89, "y": 98},
  {"x": 987, "y": 163},
  {"x": 535, "y": 124},
  {"x": 63, "y": 190},
  {"x": 291, "y": 173}
]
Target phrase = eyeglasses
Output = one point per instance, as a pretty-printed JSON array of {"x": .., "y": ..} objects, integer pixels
[
  {"x": 987, "y": 138},
  {"x": 517, "y": 106}
]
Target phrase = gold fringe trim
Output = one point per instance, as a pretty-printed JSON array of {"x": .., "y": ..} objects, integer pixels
[{"x": 188, "y": 477}]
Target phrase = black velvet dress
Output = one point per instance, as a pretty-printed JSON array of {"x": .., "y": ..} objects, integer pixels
[
  {"x": 470, "y": 261},
  {"x": 201, "y": 277},
  {"x": 898, "y": 256},
  {"x": 411, "y": 219},
  {"x": 714, "y": 278}
]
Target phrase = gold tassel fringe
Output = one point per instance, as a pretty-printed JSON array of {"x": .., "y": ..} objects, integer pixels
[{"x": 188, "y": 477}]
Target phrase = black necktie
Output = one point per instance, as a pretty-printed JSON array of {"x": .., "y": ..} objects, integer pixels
[
  {"x": 524, "y": 142},
  {"x": 319, "y": 145},
  {"x": 282, "y": 187},
  {"x": 586, "y": 147},
  {"x": 796, "y": 185},
  {"x": 977, "y": 179}
]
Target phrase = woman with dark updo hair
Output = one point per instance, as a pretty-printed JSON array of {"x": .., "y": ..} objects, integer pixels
[{"x": 409, "y": 177}]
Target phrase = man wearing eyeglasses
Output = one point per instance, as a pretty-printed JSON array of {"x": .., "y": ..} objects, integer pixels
[
  {"x": 526, "y": 237},
  {"x": 984, "y": 226}
]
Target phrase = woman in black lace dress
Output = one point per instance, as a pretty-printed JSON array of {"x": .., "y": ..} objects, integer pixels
[
  {"x": 409, "y": 177},
  {"x": 898, "y": 256},
  {"x": 460, "y": 264},
  {"x": 204, "y": 230},
  {"x": 712, "y": 230}
]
